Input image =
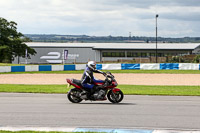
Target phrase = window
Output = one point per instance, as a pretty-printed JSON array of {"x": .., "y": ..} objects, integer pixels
[
  {"x": 129, "y": 54},
  {"x": 152, "y": 54},
  {"x": 138, "y": 54},
  {"x": 160, "y": 55},
  {"x": 143, "y": 54},
  {"x": 132, "y": 54},
  {"x": 107, "y": 54},
  {"x": 135, "y": 54},
  {"x": 113, "y": 54}
]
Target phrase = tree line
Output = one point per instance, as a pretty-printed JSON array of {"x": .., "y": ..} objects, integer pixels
[
  {"x": 108, "y": 39},
  {"x": 12, "y": 42}
]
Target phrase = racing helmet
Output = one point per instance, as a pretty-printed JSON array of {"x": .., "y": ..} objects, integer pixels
[{"x": 91, "y": 65}]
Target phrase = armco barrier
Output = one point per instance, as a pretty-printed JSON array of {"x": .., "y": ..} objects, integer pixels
[
  {"x": 149, "y": 66},
  {"x": 111, "y": 66},
  {"x": 45, "y": 68},
  {"x": 17, "y": 68},
  {"x": 99, "y": 66},
  {"x": 57, "y": 67},
  {"x": 169, "y": 66},
  {"x": 145, "y": 66},
  {"x": 69, "y": 67},
  {"x": 80, "y": 66},
  {"x": 5, "y": 68},
  {"x": 31, "y": 68},
  {"x": 130, "y": 66},
  {"x": 188, "y": 66}
]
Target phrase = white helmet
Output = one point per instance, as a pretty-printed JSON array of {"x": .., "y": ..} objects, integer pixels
[{"x": 92, "y": 65}]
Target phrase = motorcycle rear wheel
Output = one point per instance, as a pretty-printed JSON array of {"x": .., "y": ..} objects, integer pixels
[
  {"x": 73, "y": 95},
  {"x": 115, "y": 97}
]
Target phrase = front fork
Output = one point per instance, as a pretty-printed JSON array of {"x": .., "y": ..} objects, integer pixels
[{"x": 114, "y": 93}]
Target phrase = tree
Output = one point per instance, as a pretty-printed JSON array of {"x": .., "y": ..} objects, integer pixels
[
  {"x": 196, "y": 59},
  {"x": 176, "y": 59},
  {"x": 11, "y": 42}
]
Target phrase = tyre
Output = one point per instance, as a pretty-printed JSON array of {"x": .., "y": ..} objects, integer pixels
[
  {"x": 115, "y": 97},
  {"x": 74, "y": 95}
]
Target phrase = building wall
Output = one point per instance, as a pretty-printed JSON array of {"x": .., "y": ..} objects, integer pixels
[
  {"x": 55, "y": 55},
  {"x": 83, "y": 54},
  {"x": 148, "y": 53},
  {"x": 197, "y": 50}
]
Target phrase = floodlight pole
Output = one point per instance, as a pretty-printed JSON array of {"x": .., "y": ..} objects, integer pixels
[{"x": 156, "y": 39}]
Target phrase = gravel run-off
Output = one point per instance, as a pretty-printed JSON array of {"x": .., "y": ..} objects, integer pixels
[{"x": 128, "y": 79}]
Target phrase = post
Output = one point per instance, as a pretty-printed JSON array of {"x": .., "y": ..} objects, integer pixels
[
  {"x": 95, "y": 56},
  {"x": 18, "y": 59},
  {"x": 75, "y": 60},
  {"x": 156, "y": 39},
  {"x": 26, "y": 55},
  {"x": 63, "y": 57}
]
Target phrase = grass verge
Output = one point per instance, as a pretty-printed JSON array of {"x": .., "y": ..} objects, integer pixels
[
  {"x": 114, "y": 71},
  {"x": 127, "y": 89}
]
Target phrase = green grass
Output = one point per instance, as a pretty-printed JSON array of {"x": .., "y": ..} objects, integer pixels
[
  {"x": 9, "y": 64},
  {"x": 161, "y": 90},
  {"x": 114, "y": 71},
  {"x": 127, "y": 89}
]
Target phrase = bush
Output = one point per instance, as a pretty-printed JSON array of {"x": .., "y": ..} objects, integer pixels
[
  {"x": 196, "y": 59},
  {"x": 176, "y": 59}
]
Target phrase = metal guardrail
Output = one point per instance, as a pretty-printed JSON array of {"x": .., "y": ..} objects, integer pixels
[{"x": 142, "y": 66}]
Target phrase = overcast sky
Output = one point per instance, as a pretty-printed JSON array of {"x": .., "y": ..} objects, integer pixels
[{"x": 177, "y": 18}]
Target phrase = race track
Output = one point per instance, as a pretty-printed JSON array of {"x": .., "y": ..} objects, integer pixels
[{"x": 53, "y": 110}]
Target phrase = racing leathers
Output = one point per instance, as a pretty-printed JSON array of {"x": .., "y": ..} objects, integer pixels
[{"x": 88, "y": 79}]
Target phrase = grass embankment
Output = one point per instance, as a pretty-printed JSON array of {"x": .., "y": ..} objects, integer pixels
[
  {"x": 113, "y": 71},
  {"x": 8, "y": 64},
  {"x": 127, "y": 89}
]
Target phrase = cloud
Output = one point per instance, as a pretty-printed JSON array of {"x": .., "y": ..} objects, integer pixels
[{"x": 177, "y": 18}]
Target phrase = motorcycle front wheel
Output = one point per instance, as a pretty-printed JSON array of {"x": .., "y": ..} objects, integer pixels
[
  {"x": 74, "y": 95},
  {"x": 115, "y": 97}
]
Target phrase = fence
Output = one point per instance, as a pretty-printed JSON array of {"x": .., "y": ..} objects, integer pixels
[{"x": 144, "y": 66}]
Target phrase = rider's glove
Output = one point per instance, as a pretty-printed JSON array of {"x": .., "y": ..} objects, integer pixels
[{"x": 104, "y": 73}]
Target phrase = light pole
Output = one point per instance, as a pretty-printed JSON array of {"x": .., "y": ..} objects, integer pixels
[{"x": 156, "y": 39}]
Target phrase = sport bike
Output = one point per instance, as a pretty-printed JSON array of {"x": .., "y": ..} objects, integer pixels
[{"x": 107, "y": 90}]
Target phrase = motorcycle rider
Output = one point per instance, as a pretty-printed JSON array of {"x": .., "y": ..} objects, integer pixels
[{"x": 88, "y": 79}]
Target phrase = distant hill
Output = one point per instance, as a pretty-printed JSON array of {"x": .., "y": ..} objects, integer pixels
[{"x": 106, "y": 39}]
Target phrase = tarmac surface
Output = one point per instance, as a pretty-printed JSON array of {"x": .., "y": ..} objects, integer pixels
[{"x": 54, "y": 110}]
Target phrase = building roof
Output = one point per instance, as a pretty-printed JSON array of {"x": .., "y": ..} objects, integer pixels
[{"x": 121, "y": 46}]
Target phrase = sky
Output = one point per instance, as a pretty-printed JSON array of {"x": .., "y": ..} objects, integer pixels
[{"x": 177, "y": 18}]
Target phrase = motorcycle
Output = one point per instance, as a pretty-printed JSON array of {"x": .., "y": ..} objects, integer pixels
[{"x": 77, "y": 94}]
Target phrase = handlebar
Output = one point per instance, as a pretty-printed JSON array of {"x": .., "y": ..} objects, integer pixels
[{"x": 109, "y": 75}]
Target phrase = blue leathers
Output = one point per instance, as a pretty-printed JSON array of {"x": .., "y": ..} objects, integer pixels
[{"x": 88, "y": 79}]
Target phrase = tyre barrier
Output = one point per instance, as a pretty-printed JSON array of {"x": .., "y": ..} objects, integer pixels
[{"x": 143, "y": 66}]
